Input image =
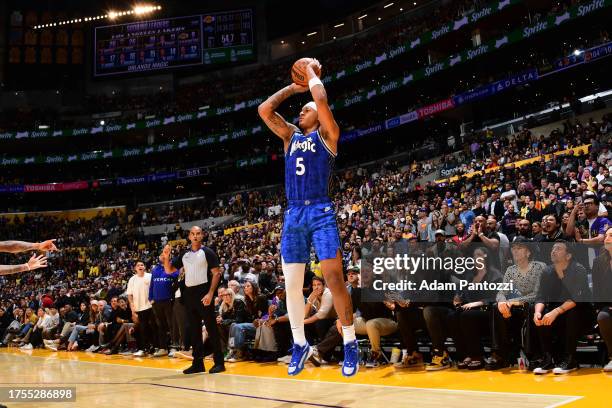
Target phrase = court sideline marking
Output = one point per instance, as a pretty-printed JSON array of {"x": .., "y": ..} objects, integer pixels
[{"x": 569, "y": 398}]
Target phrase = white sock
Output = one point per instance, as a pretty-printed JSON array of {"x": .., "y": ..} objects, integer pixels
[
  {"x": 348, "y": 333},
  {"x": 294, "y": 282}
]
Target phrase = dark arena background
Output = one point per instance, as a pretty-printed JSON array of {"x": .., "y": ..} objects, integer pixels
[{"x": 162, "y": 180}]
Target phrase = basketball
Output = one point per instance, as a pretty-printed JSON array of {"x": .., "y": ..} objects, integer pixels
[{"x": 298, "y": 71}]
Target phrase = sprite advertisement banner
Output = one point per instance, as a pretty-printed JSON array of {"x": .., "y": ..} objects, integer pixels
[
  {"x": 241, "y": 53},
  {"x": 465, "y": 56}
]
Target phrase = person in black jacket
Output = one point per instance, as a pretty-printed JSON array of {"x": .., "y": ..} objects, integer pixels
[
  {"x": 471, "y": 320},
  {"x": 231, "y": 310},
  {"x": 602, "y": 294},
  {"x": 80, "y": 326},
  {"x": 561, "y": 309},
  {"x": 256, "y": 305}
]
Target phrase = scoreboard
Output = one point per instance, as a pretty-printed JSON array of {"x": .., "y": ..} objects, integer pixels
[
  {"x": 213, "y": 38},
  {"x": 228, "y": 36}
]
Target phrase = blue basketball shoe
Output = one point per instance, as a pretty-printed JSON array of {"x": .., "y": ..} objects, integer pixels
[
  {"x": 298, "y": 357},
  {"x": 350, "y": 365}
]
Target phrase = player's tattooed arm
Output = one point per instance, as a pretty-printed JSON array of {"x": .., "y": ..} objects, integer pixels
[
  {"x": 17, "y": 246},
  {"x": 35, "y": 262},
  {"x": 21, "y": 246},
  {"x": 11, "y": 269},
  {"x": 275, "y": 122}
]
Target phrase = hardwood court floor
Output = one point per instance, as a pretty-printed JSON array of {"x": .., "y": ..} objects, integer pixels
[{"x": 112, "y": 381}]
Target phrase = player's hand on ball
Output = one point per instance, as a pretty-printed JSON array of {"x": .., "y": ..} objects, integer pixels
[
  {"x": 36, "y": 262},
  {"x": 315, "y": 65},
  {"x": 298, "y": 88}
]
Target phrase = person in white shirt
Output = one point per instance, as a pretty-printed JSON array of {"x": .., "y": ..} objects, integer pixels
[
  {"x": 319, "y": 312},
  {"x": 142, "y": 310},
  {"x": 510, "y": 194}
]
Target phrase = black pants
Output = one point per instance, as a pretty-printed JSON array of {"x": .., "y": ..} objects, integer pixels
[
  {"x": 283, "y": 336},
  {"x": 316, "y": 331},
  {"x": 508, "y": 333},
  {"x": 179, "y": 323},
  {"x": 410, "y": 319},
  {"x": 163, "y": 320},
  {"x": 147, "y": 336},
  {"x": 604, "y": 319},
  {"x": 441, "y": 322},
  {"x": 196, "y": 312},
  {"x": 329, "y": 343},
  {"x": 36, "y": 338},
  {"x": 475, "y": 324},
  {"x": 567, "y": 328}
]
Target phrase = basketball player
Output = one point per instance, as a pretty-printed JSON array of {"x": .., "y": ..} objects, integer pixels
[{"x": 310, "y": 218}]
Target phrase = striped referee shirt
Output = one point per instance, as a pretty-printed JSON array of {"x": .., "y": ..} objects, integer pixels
[{"x": 197, "y": 265}]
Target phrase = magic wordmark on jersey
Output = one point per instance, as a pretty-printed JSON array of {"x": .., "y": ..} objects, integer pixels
[{"x": 304, "y": 146}]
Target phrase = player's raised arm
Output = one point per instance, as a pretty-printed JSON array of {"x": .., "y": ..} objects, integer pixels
[
  {"x": 272, "y": 119},
  {"x": 329, "y": 128},
  {"x": 21, "y": 246},
  {"x": 35, "y": 262}
]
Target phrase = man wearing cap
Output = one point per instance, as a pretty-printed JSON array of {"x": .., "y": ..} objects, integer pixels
[{"x": 352, "y": 278}]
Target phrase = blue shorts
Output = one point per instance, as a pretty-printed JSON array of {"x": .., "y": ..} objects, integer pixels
[{"x": 309, "y": 224}]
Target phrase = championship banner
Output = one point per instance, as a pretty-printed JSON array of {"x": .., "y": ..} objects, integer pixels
[
  {"x": 229, "y": 231},
  {"x": 576, "y": 151}
]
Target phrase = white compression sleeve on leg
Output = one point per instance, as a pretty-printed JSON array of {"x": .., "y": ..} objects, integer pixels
[{"x": 294, "y": 282}]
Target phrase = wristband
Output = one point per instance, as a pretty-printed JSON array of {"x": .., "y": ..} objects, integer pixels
[{"x": 314, "y": 81}]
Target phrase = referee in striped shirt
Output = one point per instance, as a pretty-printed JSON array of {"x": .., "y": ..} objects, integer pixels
[{"x": 202, "y": 276}]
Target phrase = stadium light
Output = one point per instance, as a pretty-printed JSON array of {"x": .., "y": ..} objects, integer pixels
[
  {"x": 362, "y": 17},
  {"x": 311, "y": 34},
  {"x": 42, "y": 127},
  {"x": 388, "y": 5},
  {"x": 138, "y": 10},
  {"x": 577, "y": 52},
  {"x": 338, "y": 25}
]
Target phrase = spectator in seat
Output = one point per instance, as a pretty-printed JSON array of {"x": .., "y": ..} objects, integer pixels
[
  {"x": 232, "y": 310},
  {"x": 513, "y": 307},
  {"x": 561, "y": 310},
  {"x": 602, "y": 294},
  {"x": 80, "y": 326},
  {"x": 256, "y": 305},
  {"x": 471, "y": 319},
  {"x": 319, "y": 314}
]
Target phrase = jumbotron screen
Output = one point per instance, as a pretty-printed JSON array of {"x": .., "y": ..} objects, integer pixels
[{"x": 143, "y": 46}]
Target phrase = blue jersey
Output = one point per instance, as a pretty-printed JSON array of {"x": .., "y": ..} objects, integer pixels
[{"x": 309, "y": 165}]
